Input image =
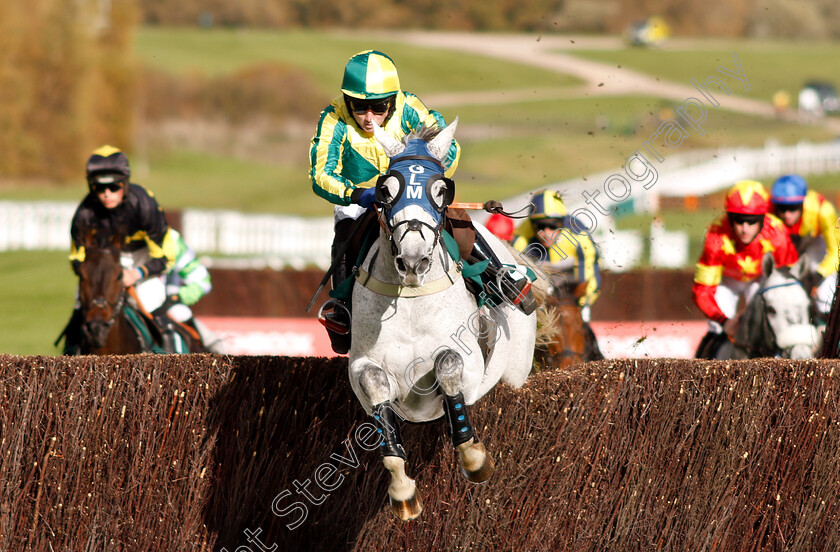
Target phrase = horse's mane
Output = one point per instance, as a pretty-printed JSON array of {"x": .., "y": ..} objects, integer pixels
[{"x": 425, "y": 133}]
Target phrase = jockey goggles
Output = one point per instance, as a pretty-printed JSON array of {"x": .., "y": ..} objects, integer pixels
[
  {"x": 740, "y": 218},
  {"x": 378, "y": 107},
  {"x": 786, "y": 207},
  {"x": 111, "y": 182}
]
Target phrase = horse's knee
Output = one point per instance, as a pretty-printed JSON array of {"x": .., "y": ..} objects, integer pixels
[
  {"x": 374, "y": 384},
  {"x": 449, "y": 367}
]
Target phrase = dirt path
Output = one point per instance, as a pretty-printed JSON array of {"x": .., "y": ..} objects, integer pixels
[{"x": 601, "y": 79}]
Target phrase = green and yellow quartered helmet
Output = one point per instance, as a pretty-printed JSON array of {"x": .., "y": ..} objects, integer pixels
[
  {"x": 549, "y": 205},
  {"x": 370, "y": 75}
]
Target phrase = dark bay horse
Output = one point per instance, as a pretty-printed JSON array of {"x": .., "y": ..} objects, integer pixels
[
  {"x": 572, "y": 340},
  {"x": 102, "y": 297},
  {"x": 112, "y": 320}
]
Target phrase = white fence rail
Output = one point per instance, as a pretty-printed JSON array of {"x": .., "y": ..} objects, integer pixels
[{"x": 296, "y": 241}]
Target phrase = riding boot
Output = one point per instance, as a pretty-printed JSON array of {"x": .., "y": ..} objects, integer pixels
[
  {"x": 171, "y": 341},
  {"x": 591, "y": 349},
  {"x": 710, "y": 344},
  {"x": 73, "y": 334},
  {"x": 337, "y": 321},
  {"x": 514, "y": 286}
]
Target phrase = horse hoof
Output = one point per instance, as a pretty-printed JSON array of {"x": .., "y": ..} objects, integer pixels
[
  {"x": 409, "y": 509},
  {"x": 484, "y": 471}
]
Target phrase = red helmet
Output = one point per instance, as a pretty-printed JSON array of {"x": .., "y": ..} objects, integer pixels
[
  {"x": 747, "y": 197},
  {"x": 500, "y": 226}
]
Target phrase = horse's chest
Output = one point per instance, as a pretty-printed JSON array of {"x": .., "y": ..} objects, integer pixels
[{"x": 412, "y": 327}]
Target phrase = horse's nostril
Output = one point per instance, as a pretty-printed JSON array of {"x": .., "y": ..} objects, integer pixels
[
  {"x": 400, "y": 264},
  {"x": 422, "y": 266}
]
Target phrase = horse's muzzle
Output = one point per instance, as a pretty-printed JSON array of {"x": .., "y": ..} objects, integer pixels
[
  {"x": 96, "y": 332},
  {"x": 412, "y": 271}
]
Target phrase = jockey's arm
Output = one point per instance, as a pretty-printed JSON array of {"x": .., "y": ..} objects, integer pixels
[
  {"x": 589, "y": 270},
  {"x": 827, "y": 222},
  {"x": 196, "y": 283},
  {"x": 330, "y": 178},
  {"x": 707, "y": 276},
  {"x": 163, "y": 253}
]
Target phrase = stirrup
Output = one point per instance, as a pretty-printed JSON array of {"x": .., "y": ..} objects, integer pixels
[
  {"x": 329, "y": 322},
  {"x": 506, "y": 290}
]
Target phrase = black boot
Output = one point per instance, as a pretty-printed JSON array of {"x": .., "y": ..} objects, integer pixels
[
  {"x": 516, "y": 291},
  {"x": 337, "y": 321},
  {"x": 710, "y": 344}
]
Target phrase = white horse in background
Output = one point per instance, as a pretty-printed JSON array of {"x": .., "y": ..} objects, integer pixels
[
  {"x": 422, "y": 348},
  {"x": 776, "y": 322}
]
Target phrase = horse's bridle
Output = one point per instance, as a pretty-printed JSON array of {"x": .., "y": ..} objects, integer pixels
[
  {"x": 101, "y": 302},
  {"x": 385, "y": 214},
  {"x": 411, "y": 225}
]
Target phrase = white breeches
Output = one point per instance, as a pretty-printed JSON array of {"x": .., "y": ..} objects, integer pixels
[
  {"x": 825, "y": 293},
  {"x": 726, "y": 296},
  {"x": 351, "y": 211}
]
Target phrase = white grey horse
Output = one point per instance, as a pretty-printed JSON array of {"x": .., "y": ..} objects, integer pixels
[
  {"x": 776, "y": 321},
  {"x": 422, "y": 348}
]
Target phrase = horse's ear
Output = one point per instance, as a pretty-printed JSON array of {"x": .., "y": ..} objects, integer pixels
[
  {"x": 392, "y": 146},
  {"x": 389, "y": 188},
  {"x": 768, "y": 264},
  {"x": 441, "y": 192},
  {"x": 439, "y": 145},
  {"x": 801, "y": 267}
]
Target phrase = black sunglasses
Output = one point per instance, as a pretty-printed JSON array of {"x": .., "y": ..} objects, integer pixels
[
  {"x": 114, "y": 187},
  {"x": 786, "y": 207},
  {"x": 378, "y": 107},
  {"x": 738, "y": 218}
]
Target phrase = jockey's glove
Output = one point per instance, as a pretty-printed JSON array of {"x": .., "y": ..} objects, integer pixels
[{"x": 365, "y": 197}]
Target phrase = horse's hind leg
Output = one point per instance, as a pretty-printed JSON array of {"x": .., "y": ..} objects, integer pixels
[
  {"x": 476, "y": 463},
  {"x": 402, "y": 492}
]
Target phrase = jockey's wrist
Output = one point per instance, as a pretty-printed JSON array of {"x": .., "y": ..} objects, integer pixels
[
  {"x": 721, "y": 320},
  {"x": 355, "y": 194}
]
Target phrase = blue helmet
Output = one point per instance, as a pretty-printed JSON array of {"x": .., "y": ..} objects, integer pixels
[{"x": 789, "y": 189}]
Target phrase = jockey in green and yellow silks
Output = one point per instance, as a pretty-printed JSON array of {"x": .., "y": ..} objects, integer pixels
[
  {"x": 346, "y": 160},
  {"x": 344, "y": 155},
  {"x": 569, "y": 246}
]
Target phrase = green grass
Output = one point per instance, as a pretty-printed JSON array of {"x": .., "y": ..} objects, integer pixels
[
  {"x": 768, "y": 65},
  {"x": 37, "y": 289},
  {"x": 323, "y": 54},
  {"x": 521, "y": 147}
]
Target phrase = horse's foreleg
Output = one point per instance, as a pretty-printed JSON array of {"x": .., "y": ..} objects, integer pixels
[
  {"x": 476, "y": 463},
  {"x": 402, "y": 492}
]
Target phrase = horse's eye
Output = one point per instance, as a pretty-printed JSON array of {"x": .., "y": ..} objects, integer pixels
[{"x": 771, "y": 310}]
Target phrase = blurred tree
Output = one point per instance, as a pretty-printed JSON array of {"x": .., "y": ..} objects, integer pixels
[{"x": 65, "y": 83}]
